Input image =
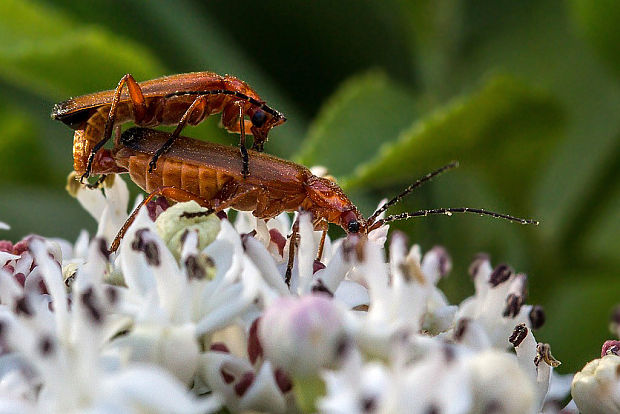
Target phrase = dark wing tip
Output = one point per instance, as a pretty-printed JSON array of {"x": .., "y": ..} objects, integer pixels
[{"x": 62, "y": 109}]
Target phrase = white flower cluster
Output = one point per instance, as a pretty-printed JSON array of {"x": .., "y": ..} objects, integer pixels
[{"x": 193, "y": 315}]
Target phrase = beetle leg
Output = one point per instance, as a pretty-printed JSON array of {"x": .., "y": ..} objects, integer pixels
[
  {"x": 97, "y": 183},
  {"x": 245, "y": 171},
  {"x": 199, "y": 104},
  {"x": 139, "y": 109},
  {"x": 291, "y": 252},
  {"x": 173, "y": 193},
  {"x": 229, "y": 201},
  {"x": 258, "y": 146},
  {"x": 321, "y": 245}
]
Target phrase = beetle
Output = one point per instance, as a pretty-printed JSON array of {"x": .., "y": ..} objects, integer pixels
[
  {"x": 178, "y": 99},
  {"x": 209, "y": 174}
]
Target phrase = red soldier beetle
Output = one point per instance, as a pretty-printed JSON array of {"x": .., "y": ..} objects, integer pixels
[
  {"x": 178, "y": 99},
  {"x": 209, "y": 174}
]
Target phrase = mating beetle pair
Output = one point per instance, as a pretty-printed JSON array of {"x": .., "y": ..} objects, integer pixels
[{"x": 211, "y": 174}]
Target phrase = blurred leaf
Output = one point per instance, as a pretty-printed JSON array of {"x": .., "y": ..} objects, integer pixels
[
  {"x": 534, "y": 39},
  {"x": 599, "y": 21},
  {"x": 22, "y": 160},
  {"x": 505, "y": 126},
  {"x": 364, "y": 112},
  {"x": 435, "y": 32},
  {"x": 578, "y": 315},
  {"x": 601, "y": 242},
  {"x": 50, "y": 54}
]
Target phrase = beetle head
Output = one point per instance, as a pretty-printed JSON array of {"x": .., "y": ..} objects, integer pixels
[{"x": 263, "y": 119}]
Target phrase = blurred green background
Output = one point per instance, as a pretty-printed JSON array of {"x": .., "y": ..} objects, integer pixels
[{"x": 526, "y": 95}]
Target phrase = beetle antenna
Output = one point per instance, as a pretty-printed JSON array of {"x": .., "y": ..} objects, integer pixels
[
  {"x": 409, "y": 189},
  {"x": 449, "y": 212}
]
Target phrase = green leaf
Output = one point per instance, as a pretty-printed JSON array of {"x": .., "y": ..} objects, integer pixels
[
  {"x": 505, "y": 126},
  {"x": 49, "y": 54},
  {"x": 364, "y": 112},
  {"x": 599, "y": 21},
  {"x": 535, "y": 40}
]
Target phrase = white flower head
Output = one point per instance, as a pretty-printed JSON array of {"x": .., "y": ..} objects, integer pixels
[{"x": 303, "y": 335}]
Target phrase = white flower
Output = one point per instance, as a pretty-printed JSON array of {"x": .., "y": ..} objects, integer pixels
[
  {"x": 500, "y": 385},
  {"x": 536, "y": 361},
  {"x": 498, "y": 304},
  {"x": 191, "y": 300},
  {"x": 60, "y": 346}
]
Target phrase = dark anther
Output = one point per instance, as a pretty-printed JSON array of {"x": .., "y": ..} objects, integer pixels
[
  {"x": 500, "y": 274},
  {"x": 317, "y": 265},
  {"x": 244, "y": 383},
  {"x": 537, "y": 317},
  {"x": 461, "y": 328},
  {"x": 342, "y": 347},
  {"x": 319, "y": 287},
  {"x": 226, "y": 376},
  {"x": 255, "y": 349},
  {"x": 513, "y": 305},
  {"x": 283, "y": 380},
  {"x": 111, "y": 294},
  {"x": 22, "y": 307},
  {"x": 184, "y": 236},
  {"x": 245, "y": 236},
  {"x": 278, "y": 239},
  {"x": 156, "y": 207},
  {"x": 445, "y": 264},
  {"x": 20, "y": 278},
  {"x": 493, "y": 407},
  {"x": 46, "y": 345},
  {"x": 194, "y": 269},
  {"x": 518, "y": 335},
  {"x": 70, "y": 279},
  {"x": 475, "y": 265},
  {"x": 149, "y": 248},
  {"x": 448, "y": 352},
  {"x": 219, "y": 347},
  {"x": 543, "y": 353},
  {"x": 432, "y": 409},
  {"x": 103, "y": 248},
  {"x": 258, "y": 118},
  {"x": 368, "y": 404},
  {"x": 88, "y": 300}
]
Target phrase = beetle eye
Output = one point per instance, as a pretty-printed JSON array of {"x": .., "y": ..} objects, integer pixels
[
  {"x": 353, "y": 226},
  {"x": 258, "y": 118}
]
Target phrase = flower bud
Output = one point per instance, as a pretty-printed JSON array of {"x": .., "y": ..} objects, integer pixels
[
  {"x": 302, "y": 335},
  {"x": 596, "y": 388},
  {"x": 173, "y": 224}
]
